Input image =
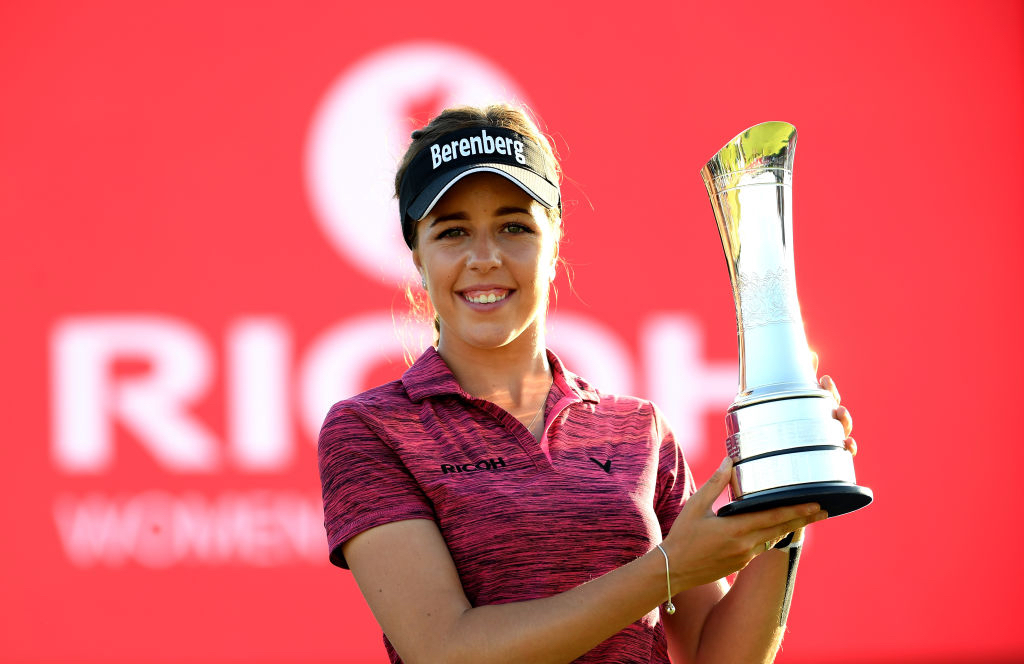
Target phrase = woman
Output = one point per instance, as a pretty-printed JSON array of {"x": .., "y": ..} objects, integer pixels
[{"x": 493, "y": 506}]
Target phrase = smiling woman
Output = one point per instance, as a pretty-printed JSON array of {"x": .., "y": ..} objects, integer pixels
[{"x": 493, "y": 506}]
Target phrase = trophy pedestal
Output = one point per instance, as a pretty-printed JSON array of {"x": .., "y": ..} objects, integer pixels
[
  {"x": 834, "y": 497},
  {"x": 788, "y": 449}
]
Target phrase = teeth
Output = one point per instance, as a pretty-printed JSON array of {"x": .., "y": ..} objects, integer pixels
[{"x": 489, "y": 298}]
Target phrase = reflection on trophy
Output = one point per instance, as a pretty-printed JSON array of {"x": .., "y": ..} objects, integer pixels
[{"x": 785, "y": 445}]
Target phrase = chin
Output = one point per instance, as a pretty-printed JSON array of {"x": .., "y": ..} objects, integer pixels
[
  {"x": 489, "y": 339},
  {"x": 493, "y": 335}
]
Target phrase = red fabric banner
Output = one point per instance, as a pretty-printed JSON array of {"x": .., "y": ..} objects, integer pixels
[{"x": 202, "y": 254}]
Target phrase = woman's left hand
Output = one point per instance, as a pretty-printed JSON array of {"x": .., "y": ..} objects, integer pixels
[{"x": 841, "y": 413}]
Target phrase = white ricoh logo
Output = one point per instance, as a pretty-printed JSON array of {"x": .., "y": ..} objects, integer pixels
[
  {"x": 360, "y": 131},
  {"x": 474, "y": 145},
  {"x": 268, "y": 384}
]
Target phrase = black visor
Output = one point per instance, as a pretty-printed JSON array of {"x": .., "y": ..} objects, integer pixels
[{"x": 455, "y": 155}]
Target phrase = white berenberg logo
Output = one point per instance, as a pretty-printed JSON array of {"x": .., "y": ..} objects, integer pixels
[
  {"x": 474, "y": 145},
  {"x": 361, "y": 129}
]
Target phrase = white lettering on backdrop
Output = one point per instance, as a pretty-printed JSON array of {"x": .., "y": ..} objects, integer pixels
[{"x": 268, "y": 387}]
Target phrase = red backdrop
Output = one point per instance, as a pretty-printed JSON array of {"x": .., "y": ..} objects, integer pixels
[{"x": 199, "y": 255}]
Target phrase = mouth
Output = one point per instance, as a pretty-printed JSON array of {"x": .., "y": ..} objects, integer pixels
[{"x": 485, "y": 295}]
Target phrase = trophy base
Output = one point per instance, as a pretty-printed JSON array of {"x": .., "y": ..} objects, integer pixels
[{"x": 836, "y": 498}]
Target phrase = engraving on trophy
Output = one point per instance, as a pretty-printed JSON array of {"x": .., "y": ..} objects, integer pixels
[{"x": 767, "y": 298}]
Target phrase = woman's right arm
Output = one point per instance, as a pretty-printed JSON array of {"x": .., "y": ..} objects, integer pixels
[
  {"x": 409, "y": 580},
  {"x": 407, "y": 576}
]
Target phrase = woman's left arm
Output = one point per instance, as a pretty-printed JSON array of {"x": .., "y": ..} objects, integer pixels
[{"x": 742, "y": 623}]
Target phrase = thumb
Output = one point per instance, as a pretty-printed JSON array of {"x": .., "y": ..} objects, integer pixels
[{"x": 706, "y": 495}]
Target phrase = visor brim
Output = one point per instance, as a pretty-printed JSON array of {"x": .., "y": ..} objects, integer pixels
[{"x": 533, "y": 184}]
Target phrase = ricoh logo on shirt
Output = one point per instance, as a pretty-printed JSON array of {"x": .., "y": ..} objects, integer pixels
[
  {"x": 482, "y": 144},
  {"x": 486, "y": 464}
]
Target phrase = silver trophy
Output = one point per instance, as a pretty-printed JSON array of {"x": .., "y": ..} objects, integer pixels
[{"x": 785, "y": 445}]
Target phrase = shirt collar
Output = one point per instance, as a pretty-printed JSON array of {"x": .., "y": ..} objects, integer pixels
[{"x": 429, "y": 376}]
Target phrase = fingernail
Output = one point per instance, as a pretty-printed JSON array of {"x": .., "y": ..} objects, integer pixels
[
  {"x": 725, "y": 463},
  {"x": 811, "y": 509}
]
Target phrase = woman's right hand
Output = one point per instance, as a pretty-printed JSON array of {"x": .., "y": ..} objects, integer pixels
[{"x": 703, "y": 547}]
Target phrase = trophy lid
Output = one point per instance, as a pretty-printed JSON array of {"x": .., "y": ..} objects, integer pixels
[{"x": 763, "y": 147}]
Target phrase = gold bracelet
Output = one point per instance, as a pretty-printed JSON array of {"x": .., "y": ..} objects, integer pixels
[{"x": 670, "y": 608}]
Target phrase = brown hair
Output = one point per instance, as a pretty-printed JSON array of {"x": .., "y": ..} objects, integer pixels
[{"x": 470, "y": 117}]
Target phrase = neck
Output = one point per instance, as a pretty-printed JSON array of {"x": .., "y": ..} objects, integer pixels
[{"x": 513, "y": 376}]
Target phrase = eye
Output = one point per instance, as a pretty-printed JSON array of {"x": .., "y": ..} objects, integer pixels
[
  {"x": 451, "y": 231},
  {"x": 516, "y": 227}
]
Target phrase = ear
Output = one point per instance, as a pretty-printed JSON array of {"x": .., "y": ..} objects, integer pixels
[
  {"x": 419, "y": 268},
  {"x": 553, "y": 272}
]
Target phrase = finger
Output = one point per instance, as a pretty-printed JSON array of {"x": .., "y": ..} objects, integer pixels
[
  {"x": 814, "y": 361},
  {"x": 705, "y": 496},
  {"x": 843, "y": 415},
  {"x": 768, "y": 520},
  {"x": 777, "y": 532},
  {"x": 827, "y": 383},
  {"x": 851, "y": 446}
]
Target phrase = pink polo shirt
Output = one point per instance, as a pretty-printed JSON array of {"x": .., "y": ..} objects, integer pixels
[{"x": 522, "y": 519}]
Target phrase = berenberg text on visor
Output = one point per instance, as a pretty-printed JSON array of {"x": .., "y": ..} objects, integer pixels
[{"x": 483, "y": 144}]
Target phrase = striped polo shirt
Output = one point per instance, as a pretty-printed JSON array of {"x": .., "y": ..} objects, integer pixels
[{"x": 522, "y": 519}]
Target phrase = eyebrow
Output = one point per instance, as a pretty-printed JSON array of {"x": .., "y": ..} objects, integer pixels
[{"x": 462, "y": 216}]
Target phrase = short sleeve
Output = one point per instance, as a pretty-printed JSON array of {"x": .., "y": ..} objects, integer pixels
[
  {"x": 365, "y": 483},
  {"x": 675, "y": 482}
]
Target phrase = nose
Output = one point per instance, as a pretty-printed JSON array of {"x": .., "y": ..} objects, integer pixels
[{"x": 484, "y": 253}]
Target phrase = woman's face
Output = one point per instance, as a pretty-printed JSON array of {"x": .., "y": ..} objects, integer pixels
[{"x": 487, "y": 252}]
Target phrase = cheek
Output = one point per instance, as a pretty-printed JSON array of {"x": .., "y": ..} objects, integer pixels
[
  {"x": 438, "y": 266},
  {"x": 531, "y": 267}
]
